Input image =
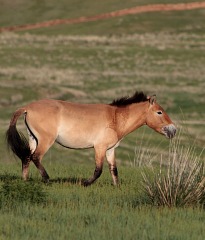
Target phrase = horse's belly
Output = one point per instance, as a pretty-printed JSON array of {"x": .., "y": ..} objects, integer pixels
[{"x": 70, "y": 141}]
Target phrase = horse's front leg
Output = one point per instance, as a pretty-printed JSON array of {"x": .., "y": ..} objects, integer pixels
[
  {"x": 110, "y": 154},
  {"x": 99, "y": 159}
]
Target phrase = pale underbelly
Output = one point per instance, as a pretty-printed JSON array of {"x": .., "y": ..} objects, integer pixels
[
  {"x": 77, "y": 143},
  {"x": 82, "y": 137}
]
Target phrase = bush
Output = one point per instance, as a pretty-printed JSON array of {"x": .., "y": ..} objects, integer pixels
[{"x": 179, "y": 183}]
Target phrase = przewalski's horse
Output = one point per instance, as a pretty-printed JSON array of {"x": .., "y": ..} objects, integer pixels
[{"x": 80, "y": 126}]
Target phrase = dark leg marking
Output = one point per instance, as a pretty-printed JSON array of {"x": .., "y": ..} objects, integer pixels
[
  {"x": 114, "y": 171},
  {"x": 40, "y": 167},
  {"x": 96, "y": 175},
  {"x": 114, "y": 174}
]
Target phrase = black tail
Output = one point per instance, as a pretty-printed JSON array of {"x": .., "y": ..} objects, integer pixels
[{"x": 16, "y": 141}]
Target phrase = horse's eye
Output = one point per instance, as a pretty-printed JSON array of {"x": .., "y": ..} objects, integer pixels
[{"x": 159, "y": 112}]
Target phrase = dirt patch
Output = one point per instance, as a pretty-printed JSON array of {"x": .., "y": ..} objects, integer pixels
[{"x": 123, "y": 12}]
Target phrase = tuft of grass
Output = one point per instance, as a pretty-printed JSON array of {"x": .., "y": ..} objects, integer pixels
[
  {"x": 15, "y": 192},
  {"x": 179, "y": 183},
  {"x": 145, "y": 152}
]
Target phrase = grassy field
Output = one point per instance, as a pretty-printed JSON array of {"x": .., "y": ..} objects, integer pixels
[{"x": 159, "y": 53}]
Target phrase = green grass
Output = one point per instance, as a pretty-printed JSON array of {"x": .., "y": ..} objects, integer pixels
[
  {"x": 161, "y": 53},
  {"x": 93, "y": 223},
  {"x": 69, "y": 210}
]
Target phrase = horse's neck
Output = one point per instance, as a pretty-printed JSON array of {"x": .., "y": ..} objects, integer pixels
[{"x": 131, "y": 117}]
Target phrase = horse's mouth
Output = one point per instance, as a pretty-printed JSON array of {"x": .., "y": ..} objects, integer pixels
[{"x": 169, "y": 131}]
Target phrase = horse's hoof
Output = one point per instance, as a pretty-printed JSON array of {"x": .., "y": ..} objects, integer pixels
[
  {"x": 86, "y": 183},
  {"x": 45, "y": 180}
]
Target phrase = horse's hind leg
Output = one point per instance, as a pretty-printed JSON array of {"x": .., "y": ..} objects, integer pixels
[
  {"x": 42, "y": 135},
  {"x": 25, "y": 167},
  {"x": 38, "y": 155},
  {"x": 36, "y": 158},
  {"x": 26, "y": 162}
]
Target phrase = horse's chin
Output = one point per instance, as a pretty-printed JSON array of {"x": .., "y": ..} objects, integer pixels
[{"x": 169, "y": 131}]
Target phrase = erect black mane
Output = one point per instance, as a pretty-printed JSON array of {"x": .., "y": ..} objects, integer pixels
[{"x": 124, "y": 101}]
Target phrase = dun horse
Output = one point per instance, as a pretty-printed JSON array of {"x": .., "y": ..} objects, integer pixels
[{"x": 80, "y": 126}]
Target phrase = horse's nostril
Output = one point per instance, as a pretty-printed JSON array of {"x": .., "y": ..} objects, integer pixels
[{"x": 169, "y": 131}]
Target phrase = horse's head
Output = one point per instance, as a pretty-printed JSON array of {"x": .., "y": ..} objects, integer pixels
[{"x": 158, "y": 119}]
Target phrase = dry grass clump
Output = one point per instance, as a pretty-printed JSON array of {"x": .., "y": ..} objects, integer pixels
[{"x": 179, "y": 183}]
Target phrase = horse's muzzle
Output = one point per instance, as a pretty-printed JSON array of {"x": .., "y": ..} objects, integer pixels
[{"x": 169, "y": 131}]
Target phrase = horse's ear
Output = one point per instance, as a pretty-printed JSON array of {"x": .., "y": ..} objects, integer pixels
[{"x": 152, "y": 99}]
